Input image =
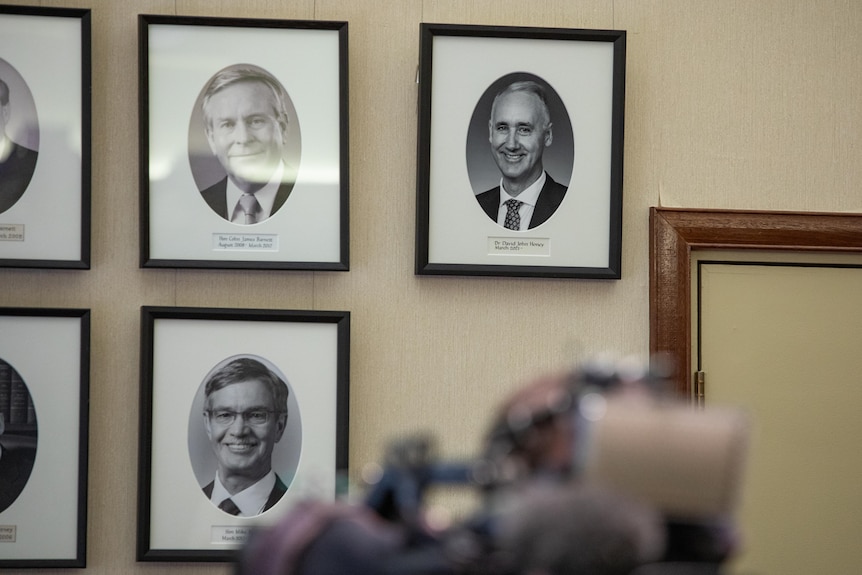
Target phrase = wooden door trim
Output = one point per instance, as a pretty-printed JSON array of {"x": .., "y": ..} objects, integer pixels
[{"x": 675, "y": 232}]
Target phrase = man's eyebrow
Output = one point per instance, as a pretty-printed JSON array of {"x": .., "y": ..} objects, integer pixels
[
  {"x": 505, "y": 123},
  {"x": 252, "y": 408}
]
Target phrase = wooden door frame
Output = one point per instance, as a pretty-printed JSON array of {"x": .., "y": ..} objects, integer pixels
[{"x": 675, "y": 232}]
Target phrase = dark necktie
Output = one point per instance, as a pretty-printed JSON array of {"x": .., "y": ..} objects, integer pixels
[
  {"x": 228, "y": 506},
  {"x": 250, "y": 207},
  {"x": 513, "y": 218}
]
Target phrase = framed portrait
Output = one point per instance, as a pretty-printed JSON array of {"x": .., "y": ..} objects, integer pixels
[
  {"x": 244, "y": 143},
  {"x": 44, "y": 137},
  {"x": 520, "y": 151},
  {"x": 44, "y": 422},
  {"x": 244, "y": 413}
]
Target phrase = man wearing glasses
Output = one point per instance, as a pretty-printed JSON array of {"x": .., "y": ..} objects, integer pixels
[{"x": 245, "y": 413}]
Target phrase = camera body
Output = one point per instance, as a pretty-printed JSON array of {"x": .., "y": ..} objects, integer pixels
[{"x": 598, "y": 470}]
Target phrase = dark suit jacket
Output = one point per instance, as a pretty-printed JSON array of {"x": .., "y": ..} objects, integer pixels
[
  {"x": 278, "y": 490},
  {"x": 216, "y": 197},
  {"x": 15, "y": 175},
  {"x": 549, "y": 200},
  {"x": 15, "y": 468}
]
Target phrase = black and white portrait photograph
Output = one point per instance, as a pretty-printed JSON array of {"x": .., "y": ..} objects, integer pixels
[
  {"x": 243, "y": 414},
  {"x": 244, "y": 143},
  {"x": 245, "y": 435},
  {"x": 520, "y": 151},
  {"x": 520, "y": 137},
  {"x": 19, "y": 435},
  {"x": 19, "y": 136},
  {"x": 44, "y": 436},
  {"x": 44, "y": 137}
]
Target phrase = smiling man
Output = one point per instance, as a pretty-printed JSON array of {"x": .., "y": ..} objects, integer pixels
[
  {"x": 245, "y": 413},
  {"x": 245, "y": 113},
  {"x": 519, "y": 130}
]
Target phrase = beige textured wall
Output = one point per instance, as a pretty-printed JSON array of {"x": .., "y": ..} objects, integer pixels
[{"x": 729, "y": 104}]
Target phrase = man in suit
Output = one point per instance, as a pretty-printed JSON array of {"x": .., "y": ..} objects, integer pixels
[
  {"x": 17, "y": 163},
  {"x": 15, "y": 468},
  {"x": 519, "y": 131},
  {"x": 245, "y": 413},
  {"x": 246, "y": 119}
]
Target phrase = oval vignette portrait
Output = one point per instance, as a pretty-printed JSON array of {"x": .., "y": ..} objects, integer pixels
[
  {"x": 244, "y": 138},
  {"x": 18, "y": 435},
  {"x": 19, "y": 136},
  {"x": 514, "y": 151},
  {"x": 241, "y": 426}
]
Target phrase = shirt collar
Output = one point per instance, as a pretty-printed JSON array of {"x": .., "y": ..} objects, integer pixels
[
  {"x": 528, "y": 196},
  {"x": 265, "y": 196},
  {"x": 250, "y": 500},
  {"x": 5, "y": 147}
]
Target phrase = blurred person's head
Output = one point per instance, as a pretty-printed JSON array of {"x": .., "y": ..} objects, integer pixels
[{"x": 563, "y": 529}]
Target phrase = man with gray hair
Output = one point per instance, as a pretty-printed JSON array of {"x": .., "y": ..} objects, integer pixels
[
  {"x": 245, "y": 414},
  {"x": 519, "y": 130},
  {"x": 245, "y": 112},
  {"x": 17, "y": 163}
]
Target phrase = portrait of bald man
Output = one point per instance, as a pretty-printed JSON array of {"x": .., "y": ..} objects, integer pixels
[{"x": 520, "y": 130}]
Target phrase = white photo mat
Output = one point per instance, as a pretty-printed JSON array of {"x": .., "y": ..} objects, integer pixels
[
  {"x": 45, "y": 60},
  {"x": 182, "y": 55},
  {"x": 307, "y": 348},
  {"x": 580, "y": 239},
  {"x": 49, "y": 348}
]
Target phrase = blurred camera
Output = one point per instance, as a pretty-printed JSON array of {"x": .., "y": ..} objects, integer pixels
[{"x": 599, "y": 470}]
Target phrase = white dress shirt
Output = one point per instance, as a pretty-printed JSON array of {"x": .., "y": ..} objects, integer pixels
[
  {"x": 265, "y": 196},
  {"x": 250, "y": 500},
  {"x": 527, "y": 198}
]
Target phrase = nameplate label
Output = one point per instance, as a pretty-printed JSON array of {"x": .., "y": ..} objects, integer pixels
[
  {"x": 8, "y": 533},
  {"x": 519, "y": 246},
  {"x": 245, "y": 242},
  {"x": 11, "y": 232},
  {"x": 229, "y": 535}
]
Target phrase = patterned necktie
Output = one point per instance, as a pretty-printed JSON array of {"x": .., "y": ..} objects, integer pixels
[
  {"x": 228, "y": 506},
  {"x": 250, "y": 207},
  {"x": 513, "y": 218}
]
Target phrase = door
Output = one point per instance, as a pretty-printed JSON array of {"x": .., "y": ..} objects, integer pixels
[{"x": 783, "y": 339}]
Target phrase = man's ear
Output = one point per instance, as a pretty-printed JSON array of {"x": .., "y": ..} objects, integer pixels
[
  {"x": 280, "y": 425},
  {"x": 207, "y": 425},
  {"x": 549, "y": 135}
]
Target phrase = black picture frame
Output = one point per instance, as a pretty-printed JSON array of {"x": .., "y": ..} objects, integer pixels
[
  {"x": 180, "y": 348},
  {"x": 582, "y": 76},
  {"x": 44, "y": 399},
  {"x": 186, "y": 197},
  {"x": 45, "y": 178}
]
